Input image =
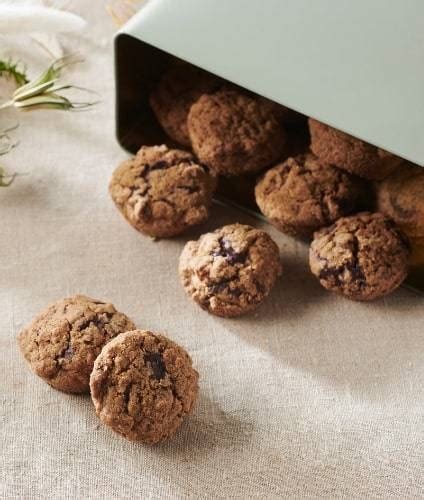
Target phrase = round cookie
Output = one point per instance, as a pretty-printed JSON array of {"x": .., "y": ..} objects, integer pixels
[
  {"x": 180, "y": 86},
  {"x": 234, "y": 133},
  {"x": 162, "y": 192},
  {"x": 363, "y": 257},
  {"x": 351, "y": 154},
  {"x": 230, "y": 271},
  {"x": 303, "y": 194},
  {"x": 63, "y": 341},
  {"x": 401, "y": 197},
  {"x": 143, "y": 385}
]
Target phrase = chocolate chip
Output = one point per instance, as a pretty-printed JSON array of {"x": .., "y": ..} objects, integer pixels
[
  {"x": 227, "y": 251},
  {"x": 69, "y": 352},
  {"x": 159, "y": 165},
  {"x": 331, "y": 272},
  {"x": 225, "y": 286},
  {"x": 218, "y": 288},
  {"x": 355, "y": 266},
  {"x": 357, "y": 273},
  {"x": 97, "y": 321},
  {"x": 156, "y": 363}
]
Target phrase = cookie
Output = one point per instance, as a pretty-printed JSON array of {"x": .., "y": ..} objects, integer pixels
[
  {"x": 401, "y": 197},
  {"x": 303, "y": 194},
  {"x": 63, "y": 341},
  {"x": 230, "y": 271},
  {"x": 351, "y": 154},
  {"x": 143, "y": 385},
  {"x": 162, "y": 192},
  {"x": 172, "y": 98},
  {"x": 362, "y": 257},
  {"x": 234, "y": 133}
]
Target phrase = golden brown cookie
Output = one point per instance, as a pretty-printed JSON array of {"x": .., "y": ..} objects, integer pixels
[
  {"x": 63, "y": 341},
  {"x": 230, "y": 271},
  {"x": 162, "y": 192},
  {"x": 172, "y": 98},
  {"x": 401, "y": 197},
  {"x": 143, "y": 385},
  {"x": 351, "y": 154},
  {"x": 304, "y": 194},
  {"x": 234, "y": 133},
  {"x": 362, "y": 257}
]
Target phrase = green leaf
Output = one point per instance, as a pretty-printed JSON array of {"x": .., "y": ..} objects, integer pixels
[
  {"x": 36, "y": 90},
  {"x": 52, "y": 73},
  {"x": 42, "y": 92},
  {"x": 47, "y": 101},
  {"x": 11, "y": 69}
]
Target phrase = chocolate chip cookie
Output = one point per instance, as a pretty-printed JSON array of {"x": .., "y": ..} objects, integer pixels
[
  {"x": 143, "y": 385},
  {"x": 362, "y": 257},
  {"x": 401, "y": 197},
  {"x": 172, "y": 98},
  {"x": 304, "y": 194},
  {"x": 351, "y": 154},
  {"x": 162, "y": 192},
  {"x": 63, "y": 341},
  {"x": 230, "y": 271},
  {"x": 235, "y": 133}
]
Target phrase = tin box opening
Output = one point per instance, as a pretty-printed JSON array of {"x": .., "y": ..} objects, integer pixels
[{"x": 139, "y": 66}]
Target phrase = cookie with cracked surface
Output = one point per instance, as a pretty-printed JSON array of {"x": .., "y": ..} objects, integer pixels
[
  {"x": 362, "y": 257},
  {"x": 230, "y": 271},
  {"x": 234, "y": 133},
  {"x": 63, "y": 341},
  {"x": 354, "y": 155},
  {"x": 162, "y": 192},
  {"x": 304, "y": 194},
  {"x": 401, "y": 197},
  {"x": 171, "y": 100},
  {"x": 143, "y": 385}
]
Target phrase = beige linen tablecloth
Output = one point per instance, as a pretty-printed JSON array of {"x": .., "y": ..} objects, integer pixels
[{"x": 313, "y": 396}]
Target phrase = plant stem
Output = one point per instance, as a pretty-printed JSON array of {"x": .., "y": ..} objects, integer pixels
[{"x": 6, "y": 104}]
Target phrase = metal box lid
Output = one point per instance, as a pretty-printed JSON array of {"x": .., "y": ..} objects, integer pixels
[{"x": 357, "y": 66}]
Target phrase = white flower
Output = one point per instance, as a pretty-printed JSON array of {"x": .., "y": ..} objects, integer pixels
[
  {"x": 41, "y": 20},
  {"x": 33, "y": 16}
]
